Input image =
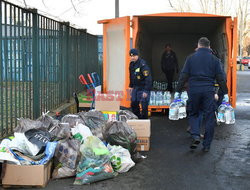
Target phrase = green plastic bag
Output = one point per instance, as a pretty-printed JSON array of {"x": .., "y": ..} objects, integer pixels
[{"x": 95, "y": 162}]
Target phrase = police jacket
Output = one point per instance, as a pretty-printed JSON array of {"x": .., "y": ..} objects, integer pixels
[
  {"x": 140, "y": 75},
  {"x": 201, "y": 69},
  {"x": 169, "y": 61}
]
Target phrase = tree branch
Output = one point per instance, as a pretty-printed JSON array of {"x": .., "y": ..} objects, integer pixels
[{"x": 74, "y": 6}]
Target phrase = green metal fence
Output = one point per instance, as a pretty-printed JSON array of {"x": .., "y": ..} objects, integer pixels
[{"x": 40, "y": 62}]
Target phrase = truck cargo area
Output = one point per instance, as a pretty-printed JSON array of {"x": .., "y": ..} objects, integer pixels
[{"x": 182, "y": 33}]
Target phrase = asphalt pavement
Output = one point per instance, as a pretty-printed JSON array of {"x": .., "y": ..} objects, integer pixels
[{"x": 171, "y": 165}]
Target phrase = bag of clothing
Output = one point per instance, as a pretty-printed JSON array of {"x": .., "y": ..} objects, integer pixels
[
  {"x": 72, "y": 119},
  {"x": 126, "y": 114},
  {"x": 95, "y": 162},
  {"x": 60, "y": 131},
  {"x": 48, "y": 121},
  {"x": 24, "y": 125},
  {"x": 67, "y": 152},
  {"x": 95, "y": 121},
  {"x": 120, "y": 133}
]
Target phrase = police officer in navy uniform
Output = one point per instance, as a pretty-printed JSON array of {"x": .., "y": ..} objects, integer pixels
[
  {"x": 201, "y": 69},
  {"x": 141, "y": 83}
]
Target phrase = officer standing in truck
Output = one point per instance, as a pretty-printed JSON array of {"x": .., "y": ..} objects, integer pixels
[
  {"x": 201, "y": 69},
  {"x": 140, "y": 83}
]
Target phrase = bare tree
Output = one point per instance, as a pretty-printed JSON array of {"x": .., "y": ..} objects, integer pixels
[
  {"x": 243, "y": 14},
  {"x": 74, "y": 7},
  {"x": 248, "y": 49},
  {"x": 180, "y": 5}
]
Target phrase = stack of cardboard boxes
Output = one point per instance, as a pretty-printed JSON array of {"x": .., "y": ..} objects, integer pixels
[{"x": 143, "y": 131}]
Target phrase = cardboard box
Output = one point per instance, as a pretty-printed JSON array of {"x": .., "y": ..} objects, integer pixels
[
  {"x": 85, "y": 105},
  {"x": 107, "y": 102},
  {"x": 26, "y": 175},
  {"x": 143, "y": 144},
  {"x": 141, "y": 127}
]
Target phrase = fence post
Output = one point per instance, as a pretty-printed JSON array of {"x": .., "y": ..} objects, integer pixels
[
  {"x": 1, "y": 74},
  {"x": 66, "y": 58},
  {"x": 82, "y": 63},
  {"x": 35, "y": 65}
]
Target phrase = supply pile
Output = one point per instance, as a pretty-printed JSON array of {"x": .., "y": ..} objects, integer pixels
[{"x": 91, "y": 146}]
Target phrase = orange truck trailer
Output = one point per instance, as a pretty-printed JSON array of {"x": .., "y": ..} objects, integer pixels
[{"x": 150, "y": 33}]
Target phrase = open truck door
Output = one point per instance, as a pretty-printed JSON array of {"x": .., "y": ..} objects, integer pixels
[
  {"x": 231, "y": 31},
  {"x": 116, "y": 45}
]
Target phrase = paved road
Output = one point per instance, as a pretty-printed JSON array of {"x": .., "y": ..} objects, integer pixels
[{"x": 171, "y": 165}]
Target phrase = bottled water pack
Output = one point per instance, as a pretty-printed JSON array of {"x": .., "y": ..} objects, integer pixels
[
  {"x": 226, "y": 114},
  {"x": 177, "y": 110},
  {"x": 160, "y": 98},
  {"x": 184, "y": 96}
]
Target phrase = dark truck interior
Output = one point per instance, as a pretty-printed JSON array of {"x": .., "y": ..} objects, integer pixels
[{"x": 182, "y": 33}]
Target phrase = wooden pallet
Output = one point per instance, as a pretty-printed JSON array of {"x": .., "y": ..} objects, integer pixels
[{"x": 159, "y": 109}]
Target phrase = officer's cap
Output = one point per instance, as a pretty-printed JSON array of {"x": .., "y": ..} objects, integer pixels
[{"x": 133, "y": 52}]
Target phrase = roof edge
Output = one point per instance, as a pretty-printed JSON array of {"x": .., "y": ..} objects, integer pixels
[{"x": 181, "y": 14}]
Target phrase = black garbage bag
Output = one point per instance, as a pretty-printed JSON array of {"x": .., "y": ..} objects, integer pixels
[
  {"x": 24, "y": 125},
  {"x": 39, "y": 137},
  {"x": 95, "y": 121},
  {"x": 126, "y": 114},
  {"x": 120, "y": 133},
  {"x": 48, "y": 121},
  {"x": 72, "y": 119},
  {"x": 60, "y": 131}
]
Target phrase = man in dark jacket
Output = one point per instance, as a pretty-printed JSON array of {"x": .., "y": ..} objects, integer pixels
[
  {"x": 169, "y": 65},
  {"x": 201, "y": 69},
  {"x": 141, "y": 83}
]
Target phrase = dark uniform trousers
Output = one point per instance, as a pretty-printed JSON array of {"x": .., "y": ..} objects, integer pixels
[
  {"x": 169, "y": 76},
  {"x": 205, "y": 102},
  {"x": 136, "y": 99}
]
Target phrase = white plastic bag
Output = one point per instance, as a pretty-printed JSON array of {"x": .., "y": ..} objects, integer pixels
[
  {"x": 120, "y": 158},
  {"x": 6, "y": 154},
  {"x": 22, "y": 144},
  {"x": 62, "y": 172},
  {"x": 81, "y": 131}
]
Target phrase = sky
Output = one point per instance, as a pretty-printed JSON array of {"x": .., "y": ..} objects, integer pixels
[{"x": 87, "y": 12}]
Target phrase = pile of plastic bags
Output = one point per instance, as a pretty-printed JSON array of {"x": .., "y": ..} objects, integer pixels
[{"x": 84, "y": 145}]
